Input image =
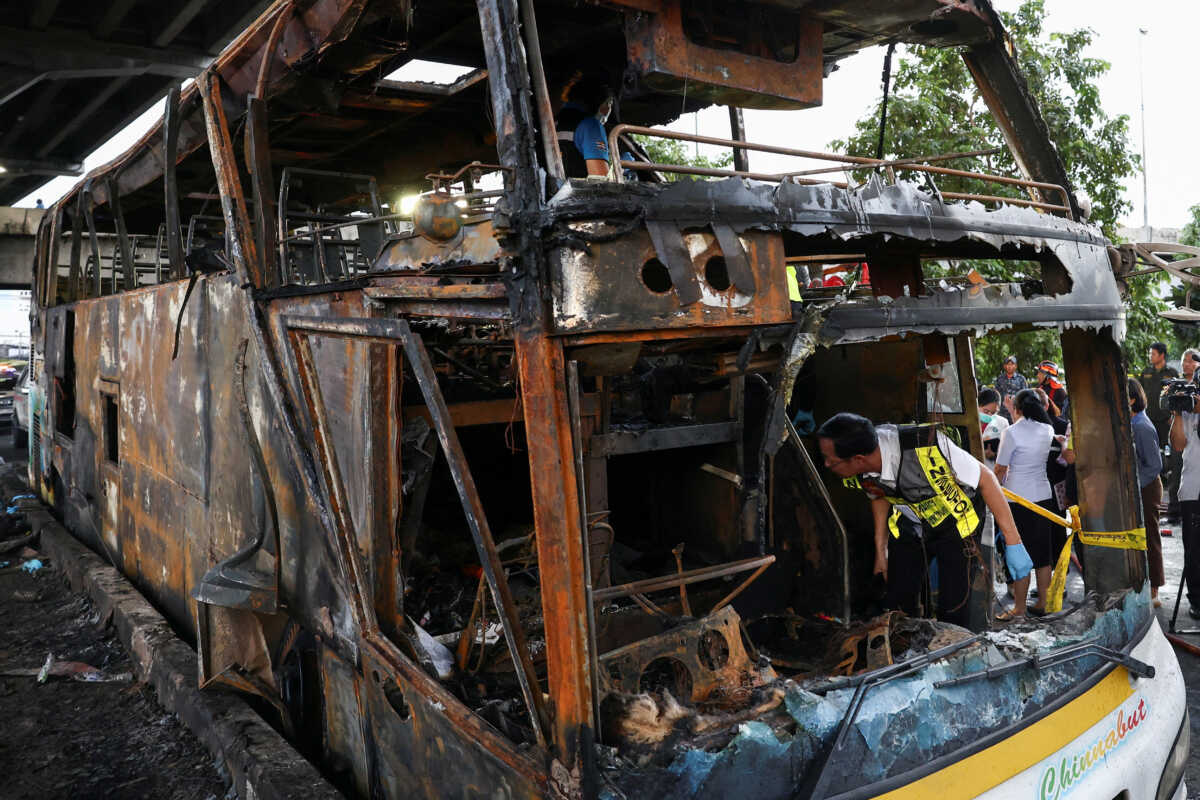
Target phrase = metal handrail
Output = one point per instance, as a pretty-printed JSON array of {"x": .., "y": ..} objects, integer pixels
[{"x": 846, "y": 160}]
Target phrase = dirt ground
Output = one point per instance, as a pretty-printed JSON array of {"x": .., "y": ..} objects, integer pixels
[{"x": 67, "y": 738}]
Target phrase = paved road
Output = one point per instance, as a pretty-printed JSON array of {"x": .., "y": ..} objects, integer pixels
[{"x": 1173, "y": 568}]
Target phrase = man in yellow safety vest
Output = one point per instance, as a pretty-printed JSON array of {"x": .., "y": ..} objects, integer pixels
[{"x": 929, "y": 494}]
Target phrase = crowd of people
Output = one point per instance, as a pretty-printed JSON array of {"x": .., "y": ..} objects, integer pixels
[
  {"x": 1026, "y": 441},
  {"x": 1026, "y": 434}
]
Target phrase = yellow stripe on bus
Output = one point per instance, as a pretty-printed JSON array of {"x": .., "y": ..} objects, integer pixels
[{"x": 975, "y": 774}]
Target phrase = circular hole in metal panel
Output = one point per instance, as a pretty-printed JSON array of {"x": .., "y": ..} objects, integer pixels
[
  {"x": 656, "y": 277},
  {"x": 667, "y": 674},
  {"x": 716, "y": 274}
]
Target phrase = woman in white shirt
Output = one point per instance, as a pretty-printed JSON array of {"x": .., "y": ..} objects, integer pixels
[{"x": 1021, "y": 468}]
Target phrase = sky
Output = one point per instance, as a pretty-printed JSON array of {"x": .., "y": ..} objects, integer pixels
[{"x": 1173, "y": 170}]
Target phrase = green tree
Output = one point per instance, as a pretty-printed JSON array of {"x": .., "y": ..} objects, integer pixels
[
  {"x": 1186, "y": 333},
  {"x": 935, "y": 107},
  {"x": 1190, "y": 235}
]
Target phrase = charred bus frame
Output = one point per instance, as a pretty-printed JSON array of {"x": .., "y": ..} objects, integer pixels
[{"x": 244, "y": 420}]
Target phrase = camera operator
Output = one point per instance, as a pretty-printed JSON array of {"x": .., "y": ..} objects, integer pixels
[{"x": 1180, "y": 395}]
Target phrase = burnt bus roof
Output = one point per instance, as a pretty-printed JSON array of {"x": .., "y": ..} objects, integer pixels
[{"x": 330, "y": 108}]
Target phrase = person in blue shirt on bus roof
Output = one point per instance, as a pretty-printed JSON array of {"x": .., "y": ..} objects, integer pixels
[
  {"x": 930, "y": 494},
  {"x": 583, "y": 140}
]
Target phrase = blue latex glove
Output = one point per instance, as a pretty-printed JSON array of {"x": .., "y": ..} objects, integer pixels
[{"x": 1018, "y": 560}]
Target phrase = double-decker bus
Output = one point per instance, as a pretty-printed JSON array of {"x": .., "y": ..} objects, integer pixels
[{"x": 492, "y": 480}]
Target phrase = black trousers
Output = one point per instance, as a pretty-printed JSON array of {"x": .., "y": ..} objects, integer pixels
[
  {"x": 1190, "y": 510},
  {"x": 908, "y": 587}
]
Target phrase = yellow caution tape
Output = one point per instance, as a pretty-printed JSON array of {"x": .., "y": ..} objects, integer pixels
[
  {"x": 1125, "y": 540},
  {"x": 1058, "y": 583}
]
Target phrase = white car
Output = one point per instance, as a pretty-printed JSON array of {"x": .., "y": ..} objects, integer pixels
[{"x": 18, "y": 408}]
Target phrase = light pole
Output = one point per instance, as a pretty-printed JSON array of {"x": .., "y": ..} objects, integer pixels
[{"x": 1145, "y": 180}]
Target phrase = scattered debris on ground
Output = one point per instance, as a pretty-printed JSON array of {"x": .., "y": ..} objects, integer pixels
[{"x": 85, "y": 727}]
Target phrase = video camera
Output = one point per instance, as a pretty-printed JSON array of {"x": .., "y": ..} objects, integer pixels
[{"x": 1178, "y": 394}]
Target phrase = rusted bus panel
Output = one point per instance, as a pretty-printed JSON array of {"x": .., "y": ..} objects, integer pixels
[
  {"x": 164, "y": 526},
  {"x": 669, "y": 61},
  {"x": 164, "y": 401},
  {"x": 561, "y": 553},
  {"x": 308, "y": 572},
  {"x": 423, "y": 746},
  {"x": 624, "y": 284},
  {"x": 345, "y": 736}
]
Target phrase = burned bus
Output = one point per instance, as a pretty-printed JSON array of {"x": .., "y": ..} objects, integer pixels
[{"x": 506, "y": 491}]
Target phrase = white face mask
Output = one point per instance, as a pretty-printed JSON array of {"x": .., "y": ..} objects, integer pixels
[{"x": 604, "y": 110}]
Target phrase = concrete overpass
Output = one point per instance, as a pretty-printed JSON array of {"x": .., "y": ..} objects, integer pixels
[{"x": 18, "y": 231}]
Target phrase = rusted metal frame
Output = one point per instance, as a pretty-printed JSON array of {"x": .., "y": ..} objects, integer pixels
[
  {"x": 390, "y": 331},
  {"x": 815, "y": 478},
  {"x": 540, "y": 366},
  {"x": 171, "y": 184},
  {"x": 41, "y": 277},
  {"x": 481, "y": 534},
  {"x": 385, "y": 383},
  {"x": 812, "y": 154},
  {"x": 1104, "y": 464},
  {"x": 96, "y": 289},
  {"x": 128, "y": 268},
  {"x": 239, "y": 235},
  {"x": 338, "y": 226},
  {"x": 541, "y": 94},
  {"x": 562, "y": 555},
  {"x": 901, "y": 162},
  {"x": 55, "y": 231},
  {"x": 1012, "y": 201},
  {"x": 526, "y": 761},
  {"x": 335, "y": 489},
  {"x": 450, "y": 178},
  {"x": 729, "y": 598},
  {"x": 653, "y": 439},
  {"x": 258, "y": 162},
  {"x": 647, "y": 585},
  {"x": 75, "y": 275},
  {"x": 429, "y": 291},
  {"x": 714, "y": 172},
  {"x": 573, "y": 398},
  {"x": 1007, "y": 96},
  {"x": 488, "y": 311},
  {"x": 268, "y": 51}
]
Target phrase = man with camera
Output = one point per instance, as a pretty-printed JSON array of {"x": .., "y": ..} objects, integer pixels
[{"x": 1180, "y": 401}]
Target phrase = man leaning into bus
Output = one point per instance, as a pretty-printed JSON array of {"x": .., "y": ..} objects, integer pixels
[{"x": 929, "y": 494}]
